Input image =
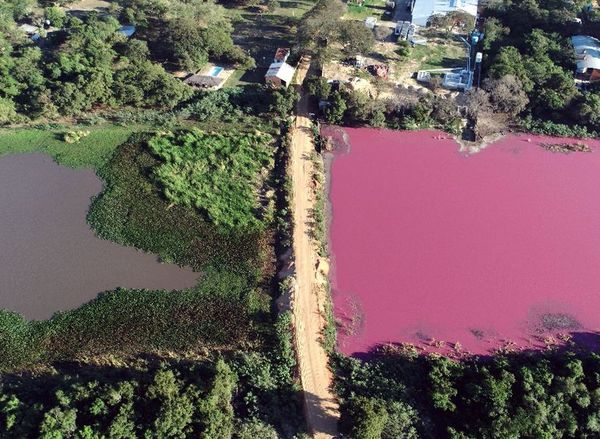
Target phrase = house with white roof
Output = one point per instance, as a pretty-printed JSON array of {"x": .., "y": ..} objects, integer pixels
[
  {"x": 587, "y": 56},
  {"x": 280, "y": 73},
  {"x": 424, "y": 9}
]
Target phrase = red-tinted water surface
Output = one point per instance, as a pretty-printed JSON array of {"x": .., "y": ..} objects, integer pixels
[{"x": 495, "y": 249}]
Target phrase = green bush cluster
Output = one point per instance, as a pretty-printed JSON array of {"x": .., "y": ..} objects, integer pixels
[
  {"x": 267, "y": 396},
  {"x": 356, "y": 108},
  {"x": 549, "y": 128},
  {"x": 530, "y": 395},
  {"x": 268, "y": 386},
  {"x": 167, "y": 400},
  {"x": 218, "y": 174},
  {"x": 75, "y": 136},
  {"x": 86, "y": 63},
  {"x": 132, "y": 211}
]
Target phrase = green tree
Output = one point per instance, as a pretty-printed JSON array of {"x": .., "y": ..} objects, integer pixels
[
  {"x": 254, "y": 429},
  {"x": 216, "y": 410},
  {"x": 58, "y": 423},
  {"x": 401, "y": 422},
  {"x": 8, "y": 113},
  {"x": 355, "y": 37},
  {"x": 319, "y": 27},
  {"x": 186, "y": 44},
  {"x": 284, "y": 101},
  {"x": 142, "y": 12},
  {"x": 318, "y": 86},
  {"x": 56, "y": 16},
  {"x": 442, "y": 377},
  {"x": 588, "y": 110},
  {"x": 335, "y": 111},
  {"x": 494, "y": 32},
  {"x": 364, "y": 418},
  {"x": 123, "y": 426},
  {"x": 509, "y": 61}
]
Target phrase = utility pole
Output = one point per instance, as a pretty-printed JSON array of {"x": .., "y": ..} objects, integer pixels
[{"x": 469, "y": 54}]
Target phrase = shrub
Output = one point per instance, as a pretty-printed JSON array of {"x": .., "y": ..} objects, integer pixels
[
  {"x": 220, "y": 174},
  {"x": 550, "y": 128},
  {"x": 75, "y": 136}
]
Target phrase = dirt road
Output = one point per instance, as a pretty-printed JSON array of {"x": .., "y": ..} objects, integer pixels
[{"x": 309, "y": 304}]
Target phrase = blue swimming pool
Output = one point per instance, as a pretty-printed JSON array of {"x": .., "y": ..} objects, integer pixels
[{"x": 215, "y": 71}]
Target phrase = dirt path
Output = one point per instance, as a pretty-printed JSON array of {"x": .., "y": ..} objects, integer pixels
[{"x": 309, "y": 305}]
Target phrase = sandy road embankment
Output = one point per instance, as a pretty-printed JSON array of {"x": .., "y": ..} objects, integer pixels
[{"x": 309, "y": 305}]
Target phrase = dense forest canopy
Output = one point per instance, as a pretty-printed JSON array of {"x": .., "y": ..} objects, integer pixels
[
  {"x": 82, "y": 63},
  {"x": 530, "y": 40},
  {"x": 534, "y": 395}
]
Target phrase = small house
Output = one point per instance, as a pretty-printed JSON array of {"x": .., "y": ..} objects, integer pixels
[
  {"x": 280, "y": 74},
  {"x": 587, "y": 57},
  {"x": 462, "y": 80}
]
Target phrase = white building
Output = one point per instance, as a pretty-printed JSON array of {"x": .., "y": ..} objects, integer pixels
[
  {"x": 424, "y": 9},
  {"x": 587, "y": 56},
  {"x": 280, "y": 74}
]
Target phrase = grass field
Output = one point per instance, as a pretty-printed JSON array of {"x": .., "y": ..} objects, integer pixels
[
  {"x": 92, "y": 151},
  {"x": 440, "y": 56},
  {"x": 370, "y": 8}
]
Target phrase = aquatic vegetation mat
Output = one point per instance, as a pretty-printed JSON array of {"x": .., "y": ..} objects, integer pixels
[{"x": 219, "y": 174}]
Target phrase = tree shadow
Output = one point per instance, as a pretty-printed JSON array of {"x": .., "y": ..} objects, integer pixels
[
  {"x": 319, "y": 415},
  {"x": 293, "y": 4}
]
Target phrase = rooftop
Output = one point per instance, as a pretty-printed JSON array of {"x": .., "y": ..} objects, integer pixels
[
  {"x": 426, "y": 8},
  {"x": 128, "y": 31},
  {"x": 283, "y": 71},
  {"x": 587, "y": 52},
  {"x": 205, "y": 81}
]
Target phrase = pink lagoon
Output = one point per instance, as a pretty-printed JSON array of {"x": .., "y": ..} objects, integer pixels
[{"x": 463, "y": 253}]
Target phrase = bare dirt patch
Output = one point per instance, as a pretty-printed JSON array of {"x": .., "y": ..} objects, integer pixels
[{"x": 322, "y": 411}]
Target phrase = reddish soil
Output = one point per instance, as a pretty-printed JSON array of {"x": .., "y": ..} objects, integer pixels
[
  {"x": 310, "y": 298},
  {"x": 494, "y": 250}
]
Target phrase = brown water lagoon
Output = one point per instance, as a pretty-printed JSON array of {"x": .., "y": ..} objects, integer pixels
[
  {"x": 50, "y": 259},
  {"x": 454, "y": 252}
]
